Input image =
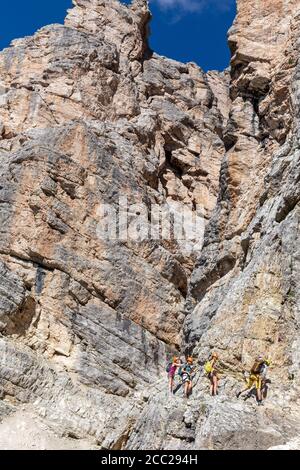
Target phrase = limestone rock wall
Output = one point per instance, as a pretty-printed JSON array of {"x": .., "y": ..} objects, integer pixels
[{"x": 88, "y": 113}]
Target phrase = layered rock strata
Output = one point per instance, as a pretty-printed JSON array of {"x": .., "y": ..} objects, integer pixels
[{"x": 88, "y": 115}]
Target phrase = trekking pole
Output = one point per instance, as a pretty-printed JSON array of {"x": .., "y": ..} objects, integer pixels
[
  {"x": 226, "y": 369},
  {"x": 229, "y": 368},
  {"x": 197, "y": 369}
]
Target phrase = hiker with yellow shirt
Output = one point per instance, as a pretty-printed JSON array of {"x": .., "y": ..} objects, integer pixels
[
  {"x": 211, "y": 371},
  {"x": 255, "y": 379}
]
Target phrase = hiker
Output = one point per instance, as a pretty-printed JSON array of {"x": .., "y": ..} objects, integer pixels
[
  {"x": 264, "y": 380},
  {"x": 211, "y": 371},
  {"x": 171, "y": 369},
  {"x": 186, "y": 375},
  {"x": 255, "y": 380}
]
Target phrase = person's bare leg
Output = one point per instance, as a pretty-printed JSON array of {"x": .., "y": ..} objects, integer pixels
[
  {"x": 264, "y": 391},
  {"x": 171, "y": 383},
  {"x": 211, "y": 387},
  {"x": 215, "y": 385},
  {"x": 259, "y": 395}
]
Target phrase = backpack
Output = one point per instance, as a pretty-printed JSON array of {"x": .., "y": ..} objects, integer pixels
[
  {"x": 186, "y": 370},
  {"x": 168, "y": 368},
  {"x": 257, "y": 366},
  {"x": 264, "y": 369},
  {"x": 208, "y": 367}
]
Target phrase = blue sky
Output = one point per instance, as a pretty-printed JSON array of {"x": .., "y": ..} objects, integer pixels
[{"x": 185, "y": 30}]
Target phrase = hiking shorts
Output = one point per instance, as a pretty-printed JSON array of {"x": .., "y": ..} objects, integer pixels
[
  {"x": 254, "y": 380},
  {"x": 186, "y": 378},
  {"x": 212, "y": 374},
  {"x": 172, "y": 372}
]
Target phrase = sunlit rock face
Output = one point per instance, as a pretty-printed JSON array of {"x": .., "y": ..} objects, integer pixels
[{"x": 90, "y": 116}]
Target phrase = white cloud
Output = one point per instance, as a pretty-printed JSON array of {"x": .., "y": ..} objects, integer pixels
[
  {"x": 190, "y": 6},
  {"x": 186, "y": 5}
]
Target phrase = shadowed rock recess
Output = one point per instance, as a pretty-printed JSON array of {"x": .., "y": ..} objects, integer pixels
[{"x": 89, "y": 113}]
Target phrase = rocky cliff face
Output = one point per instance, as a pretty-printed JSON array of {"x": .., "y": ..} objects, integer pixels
[{"x": 89, "y": 114}]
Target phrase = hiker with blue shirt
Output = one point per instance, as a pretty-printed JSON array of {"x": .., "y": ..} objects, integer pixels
[{"x": 187, "y": 376}]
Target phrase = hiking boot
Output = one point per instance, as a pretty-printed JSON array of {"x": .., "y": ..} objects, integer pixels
[
  {"x": 238, "y": 394},
  {"x": 260, "y": 403}
]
